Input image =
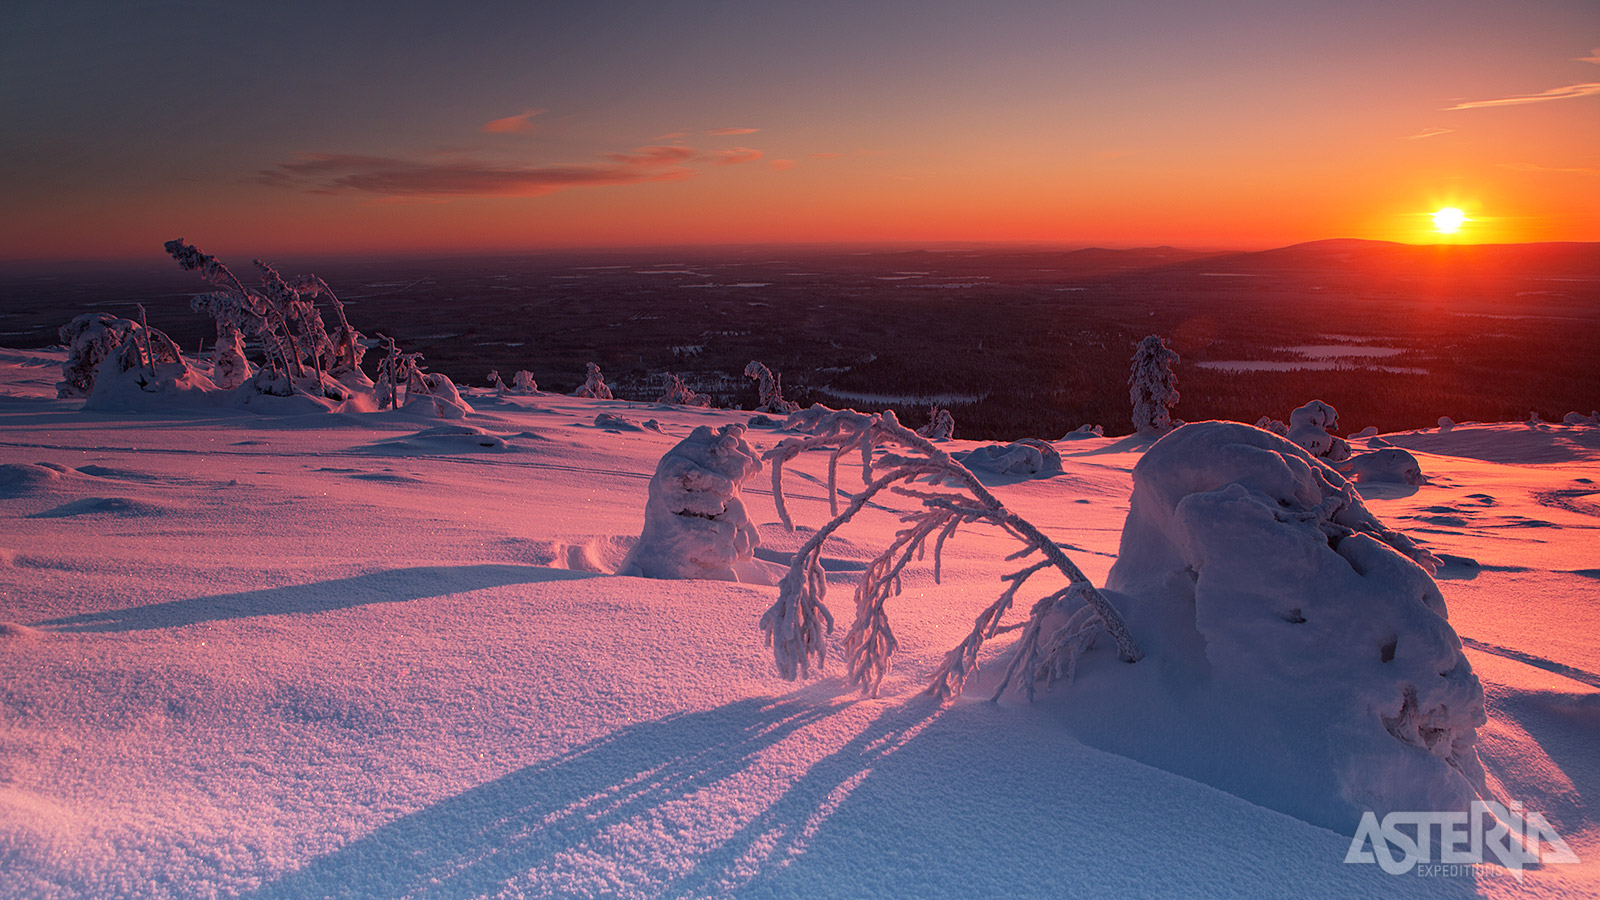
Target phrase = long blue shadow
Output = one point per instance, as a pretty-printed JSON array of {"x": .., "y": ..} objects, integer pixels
[
  {"x": 392, "y": 586},
  {"x": 474, "y": 843}
]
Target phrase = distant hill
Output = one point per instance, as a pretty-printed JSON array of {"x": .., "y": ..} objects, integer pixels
[{"x": 1387, "y": 259}]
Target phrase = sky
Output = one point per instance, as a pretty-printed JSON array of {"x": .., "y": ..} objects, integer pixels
[{"x": 334, "y": 128}]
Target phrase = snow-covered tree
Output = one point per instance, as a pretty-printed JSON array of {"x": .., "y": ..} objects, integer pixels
[
  {"x": 695, "y": 525},
  {"x": 941, "y": 425},
  {"x": 523, "y": 382},
  {"x": 798, "y": 624},
  {"x": 1297, "y": 636},
  {"x": 680, "y": 394},
  {"x": 301, "y": 355},
  {"x": 89, "y": 338},
  {"x": 496, "y": 383},
  {"x": 1152, "y": 385},
  {"x": 770, "y": 390},
  {"x": 594, "y": 384}
]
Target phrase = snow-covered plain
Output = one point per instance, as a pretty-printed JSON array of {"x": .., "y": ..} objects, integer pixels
[{"x": 378, "y": 655}]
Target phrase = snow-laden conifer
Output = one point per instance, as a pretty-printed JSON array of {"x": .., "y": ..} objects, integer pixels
[
  {"x": 594, "y": 384},
  {"x": 1152, "y": 385}
]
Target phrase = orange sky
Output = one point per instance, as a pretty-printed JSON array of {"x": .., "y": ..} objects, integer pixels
[{"x": 313, "y": 131}]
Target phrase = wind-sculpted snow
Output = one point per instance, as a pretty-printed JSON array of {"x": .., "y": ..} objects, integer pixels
[{"x": 1297, "y": 650}]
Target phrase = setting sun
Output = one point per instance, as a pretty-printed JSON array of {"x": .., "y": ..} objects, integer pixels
[{"x": 1449, "y": 220}]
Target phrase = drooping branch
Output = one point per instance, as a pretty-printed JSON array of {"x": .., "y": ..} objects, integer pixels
[{"x": 792, "y": 625}]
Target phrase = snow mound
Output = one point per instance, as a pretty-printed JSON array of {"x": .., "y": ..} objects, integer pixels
[
  {"x": 1027, "y": 457},
  {"x": 1297, "y": 654},
  {"x": 614, "y": 422},
  {"x": 26, "y": 479},
  {"x": 105, "y": 506},
  {"x": 1390, "y": 465},
  {"x": 443, "y": 439},
  {"x": 12, "y": 631},
  {"x": 586, "y": 553}
]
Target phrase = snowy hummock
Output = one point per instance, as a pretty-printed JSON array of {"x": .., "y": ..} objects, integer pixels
[{"x": 273, "y": 652}]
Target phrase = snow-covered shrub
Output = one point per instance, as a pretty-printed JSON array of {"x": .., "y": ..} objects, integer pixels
[
  {"x": 1276, "y": 426},
  {"x": 435, "y": 394},
  {"x": 1535, "y": 421},
  {"x": 1311, "y": 426},
  {"x": 680, "y": 394},
  {"x": 523, "y": 382},
  {"x": 695, "y": 524},
  {"x": 496, "y": 383},
  {"x": 941, "y": 425},
  {"x": 594, "y": 384},
  {"x": 89, "y": 338},
  {"x": 770, "y": 388},
  {"x": 1305, "y": 657},
  {"x": 1445, "y": 424},
  {"x": 1152, "y": 385},
  {"x": 1028, "y": 456},
  {"x": 1367, "y": 432},
  {"x": 1392, "y": 465},
  {"x": 1084, "y": 431},
  {"x": 1578, "y": 418},
  {"x": 797, "y": 625}
]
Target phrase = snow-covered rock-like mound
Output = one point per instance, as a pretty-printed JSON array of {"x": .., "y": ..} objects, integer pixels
[
  {"x": 695, "y": 524},
  {"x": 1298, "y": 655},
  {"x": 1390, "y": 464},
  {"x": 1026, "y": 457}
]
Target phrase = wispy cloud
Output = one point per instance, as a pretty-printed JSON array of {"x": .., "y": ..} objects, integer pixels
[
  {"x": 1594, "y": 57},
  {"x": 782, "y": 164},
  {"x": 334, "y": 173},
  {"x": 1550, "y": 170},
  {"x": 725, "y": 132},
  {"x": 1568, "y": 92},
  {"x": 522, "y": 121},
  {"x": 734, "y": 156},
  {"x": 654, "y": 155},
  {"x": 1428, "y": 133}
]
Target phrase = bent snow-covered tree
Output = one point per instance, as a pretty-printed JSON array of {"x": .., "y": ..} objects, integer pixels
[
  {"x": 798, "y": 624},
  {"x": 1152, "y": 385},
  {"x": 770, "y": 390}
]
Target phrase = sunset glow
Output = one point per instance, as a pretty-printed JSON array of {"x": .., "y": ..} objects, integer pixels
[
  {"x": 556, "y": 125},
  {"x": 1449, "y": 220}
]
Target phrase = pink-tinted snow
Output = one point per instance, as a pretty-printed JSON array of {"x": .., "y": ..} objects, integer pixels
[{"x": 379, "y": 655}]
